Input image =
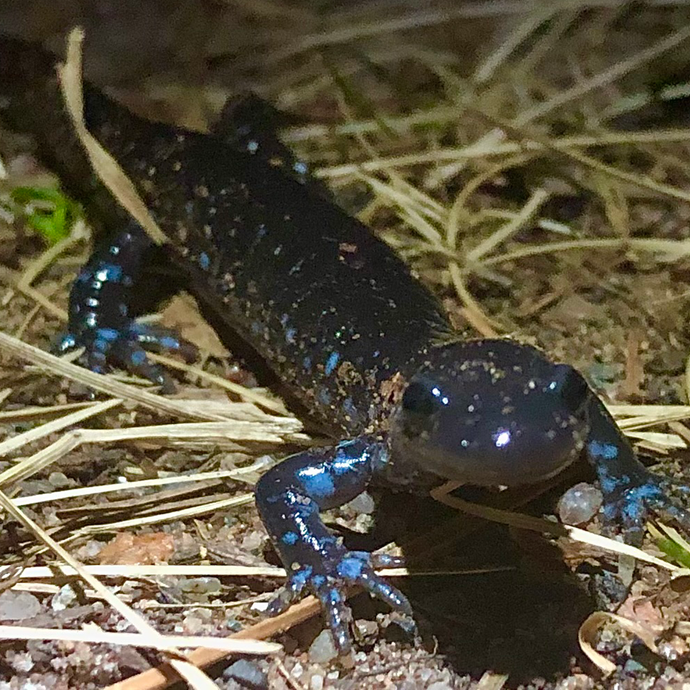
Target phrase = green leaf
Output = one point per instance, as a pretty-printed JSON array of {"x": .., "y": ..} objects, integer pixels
[{"x": 47, "y": 210}]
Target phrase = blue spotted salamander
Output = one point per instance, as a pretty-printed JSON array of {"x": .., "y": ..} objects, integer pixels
[{"x": 331, "y": 309}]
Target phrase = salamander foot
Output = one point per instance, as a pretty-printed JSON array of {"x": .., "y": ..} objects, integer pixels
[{"x": 329, "y": 581}]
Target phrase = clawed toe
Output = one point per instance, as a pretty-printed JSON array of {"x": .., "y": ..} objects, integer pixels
[
  {"x": 354, "y": 568},
  {"x": 629, "y": 509},
  {"x": 127, "y": 348}
]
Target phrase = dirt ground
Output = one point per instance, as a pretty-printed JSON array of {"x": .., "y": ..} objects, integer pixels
[{"x": 531, "y": 162}]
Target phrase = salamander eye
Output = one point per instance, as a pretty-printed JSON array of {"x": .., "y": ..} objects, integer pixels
[
  {"x": 420, "y": 399},
  {"x": 571, "y": 387}
]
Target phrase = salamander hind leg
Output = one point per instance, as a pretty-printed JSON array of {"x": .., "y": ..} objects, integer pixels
[{"x": 99, "y": 314}]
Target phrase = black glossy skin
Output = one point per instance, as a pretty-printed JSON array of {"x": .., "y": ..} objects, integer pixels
[
  {"x": 285, "y": 267},
  {"x": 338, "y": 317}
]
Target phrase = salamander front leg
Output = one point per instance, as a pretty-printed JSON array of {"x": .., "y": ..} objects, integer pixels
[
  {"x": 290, "y": 497},
  {"x": 630, "y": 491},
  {"x": 99, "y": 318}
]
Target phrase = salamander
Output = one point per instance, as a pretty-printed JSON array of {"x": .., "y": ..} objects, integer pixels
[{"x": 357, "y": 340}]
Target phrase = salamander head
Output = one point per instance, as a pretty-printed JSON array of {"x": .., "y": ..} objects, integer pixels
[{"x": 491, "y": 412}]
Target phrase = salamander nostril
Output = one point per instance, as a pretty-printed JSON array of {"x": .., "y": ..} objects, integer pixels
[{"x": 571, "y": 386}]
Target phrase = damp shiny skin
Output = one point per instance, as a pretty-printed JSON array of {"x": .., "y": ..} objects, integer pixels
[{"x": 357, "y": 341}]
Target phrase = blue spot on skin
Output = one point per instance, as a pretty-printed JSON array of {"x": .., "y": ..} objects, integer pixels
[
  {"x": 168, "y": 342},
  {"x": 317, "y": 482},
  {"x": 290, "y": 538},
  {"x": 204, "y": 261},
  {"x": 290, "y": 334},
  {"x": 108, "y": 334},
  {"x": 261, "y": 231},
  {"x": 318, "y": 580},
  {"x": 256, "y": 327},
  {"x": 306, "y": 363},
  {"x": 137, "y": 358},
  {"x": 111, "y": 272},
  {"x": 67, "y": 343},
  {"x": 332, "y": 363},
  {"x": 610, "y": 484},
  {"x": 324, "y": 396},
  {"x": 301, "y": 576},
  {"x": 350, "y": 568},
  {"x": 334, "y": 596},
  {"x": 603, "y": 450}
]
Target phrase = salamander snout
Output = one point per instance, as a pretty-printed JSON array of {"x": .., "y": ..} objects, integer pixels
[{"x": 492, "y": 412}]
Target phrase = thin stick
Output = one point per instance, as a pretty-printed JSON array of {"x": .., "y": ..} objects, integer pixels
[{"x": 163, "y": 643}]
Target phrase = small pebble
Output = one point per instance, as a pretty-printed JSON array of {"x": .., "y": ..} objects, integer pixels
[
  {"x": 195, "y": 621},
  {"x": 316, "y": 682},
  {"x": 322, "y": 649},
  {"x": 22, "y": 662},
  {"x": 366, "y": 629},
  {"x": 247, "y": 674},
  {"x": 60, "y": 480},
  {"x": 201, "y": 587},
  {"x": 253, "y": 542},
  {"x": 63, "y": 598},
  {"x": 363, "y": 503},
  {"x": 578, "y": 681},
  {"x": 579, "y": 504},
  {"x": 18, "y": 606}
]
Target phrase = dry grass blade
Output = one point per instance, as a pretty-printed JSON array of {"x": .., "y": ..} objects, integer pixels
[
  {"x": 12, "y": 279},
  {"x": 105, "y": 384},
  {"x": 242, "y": 391},
  {"x": 129, "y": 571},
  {"x": 30, "y": 414},
  {"x": 60, "y": 572},
  {"x": 242, "y": 474},
  {"x": 269, "y": 430},
  {"x": 36, "y": 267},
  {"x": 529, "y": 210},
  {"x": 163, "y": 643},
  {"x": 16, "y": 442},
  {"x": 237, "y": 434},
  {"x": 521, "y": 521},
  {"x": 490, "y": 148},
  {"x": 539, "y": 16},
  {"x": 589, "y": 631},
  {"x": 184, "y": 513},
  {"x": 103, "y": 163},
  {"x": 582, "y": 88}
]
